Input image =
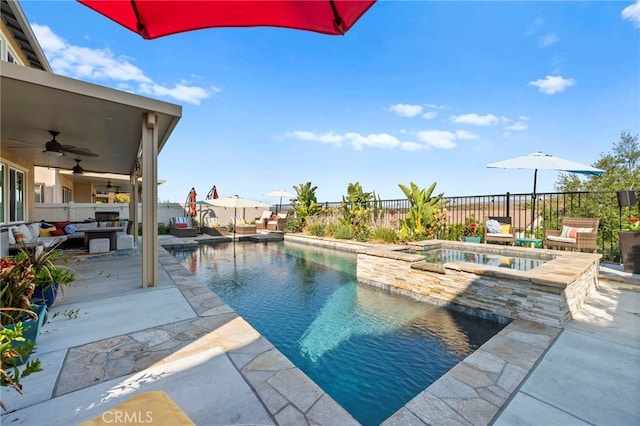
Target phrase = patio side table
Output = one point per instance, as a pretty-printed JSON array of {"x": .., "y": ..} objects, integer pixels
[{"x": 528, "y": 242}]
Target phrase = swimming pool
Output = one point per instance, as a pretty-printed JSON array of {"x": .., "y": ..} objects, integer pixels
[
  {"x": 444, "y": 255},
  {"x": 369, "y": 350}
]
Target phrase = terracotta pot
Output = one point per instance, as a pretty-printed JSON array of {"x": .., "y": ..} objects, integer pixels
[{"x": 630, "y": 251}]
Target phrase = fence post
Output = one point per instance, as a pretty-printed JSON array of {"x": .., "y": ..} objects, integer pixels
[{"x": 508, "y": 205}]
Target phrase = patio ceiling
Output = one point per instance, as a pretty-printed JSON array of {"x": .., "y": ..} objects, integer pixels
[{"x": 94, "y": 118}]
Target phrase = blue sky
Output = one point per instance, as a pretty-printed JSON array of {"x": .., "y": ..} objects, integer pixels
[{"x": 415, "y": 92}]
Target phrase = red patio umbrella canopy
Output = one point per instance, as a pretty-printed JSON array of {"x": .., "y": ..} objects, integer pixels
[{"x": 157, "y": 18}]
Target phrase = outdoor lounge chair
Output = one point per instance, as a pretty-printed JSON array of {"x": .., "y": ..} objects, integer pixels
[
  {"x": 505, "y": 236},
  {"x": 181, "y": 227},
  {"x": 576, "y": 233},
  {"x": 277, "y": 224},
  {"x": 213, "y": 227},
  {"x": 261, "y": 222}
]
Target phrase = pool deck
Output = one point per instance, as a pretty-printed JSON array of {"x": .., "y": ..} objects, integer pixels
[{"x": 181, "y": 338}]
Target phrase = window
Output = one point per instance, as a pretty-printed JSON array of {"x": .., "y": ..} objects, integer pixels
[
  {"x": 39, "y": 192},
  {"x": 6, "y": 52},
  {"x": 66, "y": 195},
  {"x": 12, "y": 196}
]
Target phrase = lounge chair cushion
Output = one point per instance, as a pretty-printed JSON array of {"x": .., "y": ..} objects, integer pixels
[
  {"x": 500, "y": 235},
  {"x": 182, "y": 225},
  {"x": 561, "y": 239},
  {"x": 570, "y": 232}
]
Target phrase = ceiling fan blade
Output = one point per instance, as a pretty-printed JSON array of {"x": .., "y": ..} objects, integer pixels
[{"x": 79, "y": 151}]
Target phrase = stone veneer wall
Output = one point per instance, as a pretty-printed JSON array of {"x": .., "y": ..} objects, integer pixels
[
  {"x": 504, "y": 294},
  {"x": 549, "y": 294}
]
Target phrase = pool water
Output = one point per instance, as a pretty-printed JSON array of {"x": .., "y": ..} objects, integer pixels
[
  {"x": 369, "y": 350},
  {"x": 441, "y": 256}
]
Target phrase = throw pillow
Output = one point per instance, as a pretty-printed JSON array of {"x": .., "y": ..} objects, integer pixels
[
  {"x": 571, "y": 232},
  {"x": 505, "y": 228},
  {"x": 182, "y": 225},
  {"x": 57, "y": 232},
  {"x": 46, "y": 232},
  {"x": 18, "y": 237},
  {"x": 70, "y": 229},
  {"x": 493, "y": 227},
  {"x": 60, "y": 225}
]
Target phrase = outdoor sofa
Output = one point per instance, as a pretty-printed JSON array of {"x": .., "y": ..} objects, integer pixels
[{"x": 576, "y": 233}]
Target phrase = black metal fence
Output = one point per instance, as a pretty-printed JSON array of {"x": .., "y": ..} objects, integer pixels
[{"x": 614, "y": 208}]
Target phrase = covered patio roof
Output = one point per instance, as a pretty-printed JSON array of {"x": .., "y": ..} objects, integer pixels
[
  {"x": 94, "y": 118},
  {"x": 120, "y": 128}
]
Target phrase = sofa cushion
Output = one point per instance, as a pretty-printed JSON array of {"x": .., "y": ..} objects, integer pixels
[
  {"x": 34, "y": 229},
  {"x": 561, "y": 239},
  {"x": 27, "y": 232}
]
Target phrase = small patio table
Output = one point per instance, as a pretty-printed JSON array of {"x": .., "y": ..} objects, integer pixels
[
  {"x": 528, "y": 242},
  {"x": 106, "y": 232}
]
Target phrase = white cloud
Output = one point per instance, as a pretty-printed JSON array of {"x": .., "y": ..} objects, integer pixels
[
  {"x": 100, "y": 65},
  {"x": 553, "y": 84},
  {"x": 548, "y": 39},
  {"x": 429, "y": 115},
  {"x": 380, "y": 140},
  {"x": 632, "y": 13},
  {"x": 475, "y": 119},
  {"x": 438, "y": 138},
  {"x": 328, "y": 138},
  {"x": 406, "y": 110},
  {"x": 463, "y": 134},
  {"x": 517, "y": 126},
  {"x": 413, "y": 146}
]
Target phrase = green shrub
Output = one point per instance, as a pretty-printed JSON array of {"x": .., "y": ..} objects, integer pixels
[
  {"x": 362, "y": 235},
  {"x": 331, "y": 229},
  {"x": 294, "y": 224},
  {"x": 384, "y": 234},
  {"x": 315, "y": 228},
  {"x": 343, "y": 232}
]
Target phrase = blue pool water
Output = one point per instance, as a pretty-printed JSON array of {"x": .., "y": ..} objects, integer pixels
[
  {"x": 370, "y": 350},
  {"x": 441, "y": 256}
]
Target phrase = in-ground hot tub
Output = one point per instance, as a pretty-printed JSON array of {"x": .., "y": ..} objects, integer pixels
[{"x": 551, "y": 289}]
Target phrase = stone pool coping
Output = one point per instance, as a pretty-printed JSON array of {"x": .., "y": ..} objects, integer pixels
[{"x": 476, "y": 390}]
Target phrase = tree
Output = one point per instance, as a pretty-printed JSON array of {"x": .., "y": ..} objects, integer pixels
[{"x": 621, "y": 169}]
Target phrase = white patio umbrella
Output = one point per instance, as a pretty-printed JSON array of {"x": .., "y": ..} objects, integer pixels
[
  {"x": 279, "y": 193},
  {"x": 237, "y": 203},
  {"x": 542, "y": 161}
]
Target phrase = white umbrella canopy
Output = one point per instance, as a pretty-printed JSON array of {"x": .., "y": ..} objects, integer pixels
[
  {"x": 541, "y": 161},
  {"x": 237, "y": 203},
  {"x": 280, "y": 193}
]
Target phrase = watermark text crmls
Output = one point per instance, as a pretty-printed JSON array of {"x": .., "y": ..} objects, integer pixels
[{"x": 127, "y": 417}]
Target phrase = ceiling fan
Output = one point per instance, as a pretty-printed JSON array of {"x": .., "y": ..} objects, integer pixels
[
  {"x": 56, "y": 149},
  {"x": 77, "y": 169}
]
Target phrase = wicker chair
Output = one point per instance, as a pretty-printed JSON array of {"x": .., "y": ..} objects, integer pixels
[
  {"x": 177, "y": 228},
  {"x": 213, "y": 227},
  {"x": 507, "y": 237},
  {"x": 586, "y": 237}
]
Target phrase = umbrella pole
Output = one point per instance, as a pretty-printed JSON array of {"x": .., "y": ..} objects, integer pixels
[{"x": 533, "y": 203}]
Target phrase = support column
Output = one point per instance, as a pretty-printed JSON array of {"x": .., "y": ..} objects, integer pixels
[
  {"x": 133, "y": 208},
  {"x": 149, "y": 201}
]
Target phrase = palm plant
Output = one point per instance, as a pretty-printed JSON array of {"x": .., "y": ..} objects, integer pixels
[
  {"x": 422, "y": 216},
  {"x": 306, "y": 204}
]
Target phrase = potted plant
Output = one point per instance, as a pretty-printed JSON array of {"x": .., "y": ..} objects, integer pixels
[
  {"x": 630, "y": 245},
  {"x": 471, "y": 231},
  {"x": 51, "y": 273},
  {"x": 20, "y": 318}
]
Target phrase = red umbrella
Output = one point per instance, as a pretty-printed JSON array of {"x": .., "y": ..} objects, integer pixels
[
  {"x": 192, "y": 202},
  {"x": 213, "y": 194},
  {"x": 152, "y": 19}
]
